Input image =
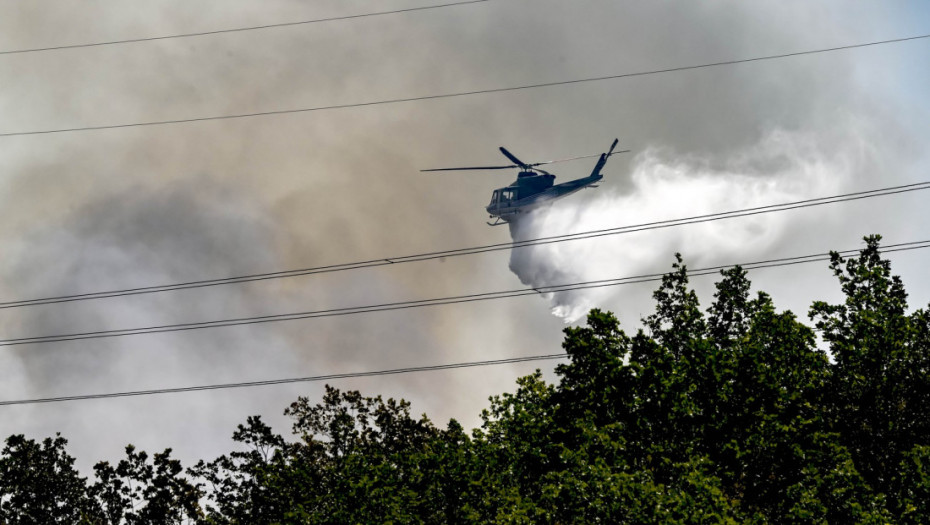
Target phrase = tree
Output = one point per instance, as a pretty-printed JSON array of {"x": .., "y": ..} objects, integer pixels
[
  {"x": 137, "y": 491},
  {"x": 880, "y": 386},
  {"x": 38, "y": 484},
  {"x": 732, "y": 414}
]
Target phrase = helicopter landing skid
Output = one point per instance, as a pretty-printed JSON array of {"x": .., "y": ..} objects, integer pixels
[{"x": 498, "y": 222}]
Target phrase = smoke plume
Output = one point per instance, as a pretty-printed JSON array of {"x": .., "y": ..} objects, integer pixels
[{"x": 783, "y": 167}]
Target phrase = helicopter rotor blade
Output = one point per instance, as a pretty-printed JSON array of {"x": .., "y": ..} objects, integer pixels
[
  {"x": 520, "y": 164},
  {"x": 515, "y": 160},
  {"x": 564, "y": 160},
  {"x": 568, "y": 159},
  {"x": 474, "y": 168}
]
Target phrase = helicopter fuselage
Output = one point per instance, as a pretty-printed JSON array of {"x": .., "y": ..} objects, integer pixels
[{"x": 532, "y": 190}]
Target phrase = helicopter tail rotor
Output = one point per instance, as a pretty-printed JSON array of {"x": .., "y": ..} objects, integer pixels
[
  {"x": 612, "y": 146},
  {"x": 604, "y": 156}
]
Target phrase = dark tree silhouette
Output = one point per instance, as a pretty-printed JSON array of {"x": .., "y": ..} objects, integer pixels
[{"x": 732, "y": 414}]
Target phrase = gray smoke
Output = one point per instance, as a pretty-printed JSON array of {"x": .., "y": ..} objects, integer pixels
[
  {"x": 783, "y": 167},
  {"x": 140, "y": 206}
]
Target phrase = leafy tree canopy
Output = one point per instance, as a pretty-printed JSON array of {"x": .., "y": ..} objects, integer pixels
[{"x": 737, "y": 413}]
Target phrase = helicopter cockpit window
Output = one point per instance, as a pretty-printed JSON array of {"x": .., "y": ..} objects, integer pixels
[
  {"x": 508, "y": 195},
  {"x": 494, "y": 197}
]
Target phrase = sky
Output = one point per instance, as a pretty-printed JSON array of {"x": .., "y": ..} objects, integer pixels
[{"x": 87, "y": 211}]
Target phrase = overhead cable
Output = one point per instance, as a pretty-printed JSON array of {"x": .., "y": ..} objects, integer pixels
[
  {"x": 310, "y": 379},
  {"x": 460, "y": 93},
  {"x": 458, "y": 299},
  {"x": 238, "y": 29},
  {"x": 386, "y": 261}
]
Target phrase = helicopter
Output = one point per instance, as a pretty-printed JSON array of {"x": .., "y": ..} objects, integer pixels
[{"x": 534, "y": 187}]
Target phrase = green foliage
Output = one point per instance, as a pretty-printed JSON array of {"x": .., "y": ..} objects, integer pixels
[
  {"x": 137, "y": 491},
  {"x": 731, "y": 414},
  {"x": 256, "y": 485},
  {"x": 877, "y": 400},
  {"x": 38, "y": 484}
]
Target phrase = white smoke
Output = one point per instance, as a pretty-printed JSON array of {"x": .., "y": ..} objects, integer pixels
[{"x": 782, "y": 167}]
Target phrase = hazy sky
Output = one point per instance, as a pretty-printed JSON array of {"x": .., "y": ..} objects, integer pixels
[{"x": 98, "y": 210}]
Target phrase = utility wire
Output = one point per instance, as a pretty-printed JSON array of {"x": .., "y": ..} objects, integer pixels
[
  {"x": 330, "y": 377},
  {"x": 311, "y": 379},
  {"x": 461, "y": 93},
  {"x": 386, "y": 261},
  {"x": 458, "y": 299},
  {"x": 238, "y": 29}
]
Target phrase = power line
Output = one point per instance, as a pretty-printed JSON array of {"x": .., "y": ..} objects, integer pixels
[
  {"x": 459, "y": 94},
  {"x": 386, "y": 261},
  {"x": 311, "y": 379},
  {"x": 238, "y": 29},
  {"x": 403, "y": 305},
  {"x": 330, "y": 377}
]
